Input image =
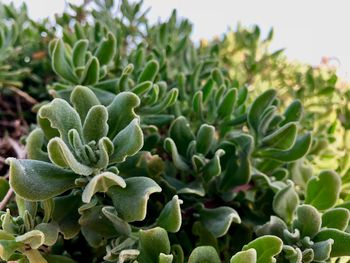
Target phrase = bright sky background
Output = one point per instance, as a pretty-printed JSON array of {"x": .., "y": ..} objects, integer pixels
[{"x": 308, "y": 29}]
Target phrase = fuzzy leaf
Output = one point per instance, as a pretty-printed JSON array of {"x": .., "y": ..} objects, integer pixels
[
  {"x": 293, "y": 112},
  {"x": 248, "y": 256},
  {"x": 323, "y": 191},
  {"x": 60, "y": 64},
  {"x": 95, "y": 125},
  {"x": 127, "y": 142},
  {"x": 341, "y": 246},
  {"x": 50, "y": 232},
  {"x": 35, "y": 142},
  {"x": 266, "y": 248},
  {"x": 131, "y": 201},
  {"x": 83, "y": 99},
  {"x": 33, "y": 239},
  {"x": 180, "y": 132},
  {"x": 106, "y": 49},
  {"x": 119, "y": 224},
  {"x": 153, "y": 242},
  {"x": 79, "y": 52},
  {"x": 205, "y": 138},
  {"x": 308, "y": 220},
  {"x": 178, "y": 161},
  {"x": 61, "y": 155},
  {"x": 149, "y": 72},
  {"x": 121, "y": 112},
  {"x": 204, "y": 254},
  {"x": 90, "y": 76},
  {"x": 218, "y": 220},
  {"x": 170, "y": 217},
  {"x": 283, "y": 138},
  {"x": 62, "y": 117},
  {"x": 37, "y": 180},
  {"x": 101, "y": 183},
  {"x": 226, "y": 107},
  {"x": 285, "y": 202},
  {"x": 336, "y": 218},
  {"x": 322, "y": 250}
]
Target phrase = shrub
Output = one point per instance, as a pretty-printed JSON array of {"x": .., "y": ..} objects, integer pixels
[{"x": 154, "y": 149}]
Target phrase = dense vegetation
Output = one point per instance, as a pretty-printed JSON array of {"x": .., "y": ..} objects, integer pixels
[{"x": 143, "y": 146}]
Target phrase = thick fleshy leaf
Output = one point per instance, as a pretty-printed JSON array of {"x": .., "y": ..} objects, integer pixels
[
  {"x": 336, "y": 218},
  {"x": 66, "y": 214},
  {"x": 106, "y": 49},
  {"x": 34, "y": 145},
  {"x": 163, "y": 258},
  {"x": 105, "y": 148},
  {"x": 83, "y": 99},
  {"x": 308, "y": 220},
  {"x": 258, "y": 106},
  {"x": 266, "y": 248},
  {"x": 285, "y": 202},
  {"x": 205, "y": 138},
  {"x": 131, "y": 201},
  {"x": 149, "y": 72},
  {"x": 37, "y": 180},
  {"x": 248, "y": 256},
  {"x": 275, "y": 226},
  {"x": 95, "y": 126},
  {"x": 226, "y": 107},
  {"x": 50, "y": 231},
  {"x": 153, "y": 242},
  {"x": 170, "y": 147},
  {"x": 204, "y": 254},
  {"x": 61, "y": 155},
  {"x": 341, "y": 246},
  {"x": 91, "y": 72},
  {"x": 297, "y": 151},
  {"x": 62, "y": 117},
  {"x": 293, "y": 112},
  {"x": 96, "y": 227},
  {"x": 119, "y": 224},
  {"x": 127, "y": 142},
  {"x": 60, "y": 64},
  {"x": 33, "y": 239},
  {"x": 218, "y": 220},
  {"x": 180, "y": 132},
  {"x": 58, "y": 259},
  {"x": 101, "y": 183},
  {"x": 8, "y": 247},
  {"x": 322, "y": 250},
  {"x": 170, "y": 217},
  {"x": 79, "y": 52},
  {"x": 323, "y": 191},
  {"x": 283, "y": 138},
  {"x": 121, "y": 112},
  {"x": 168, "y": 100}
]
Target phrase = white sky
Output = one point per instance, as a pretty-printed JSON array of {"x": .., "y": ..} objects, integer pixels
[{"x": 308, "y": 29}]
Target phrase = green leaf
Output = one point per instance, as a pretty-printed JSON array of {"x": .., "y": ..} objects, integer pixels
[
  {"x": 95, "y": 126},
  {"x": 4, "y": 187},
  {"x": 341, "y": 246},
  {"x": 218, "y": 220},
  {"x": 178, "y": 161},
  {"x": 227, "y": 105},
  {"x": 248, "y": 256},
  {"x": 266, "y": 248},
  {"x": 90, "y": 75},
  {"x": 283, "y": 138},
  {"x": 37, "y": 180},
  {"x": 127, "y": 142},
  {"x": 8, "y": 248},
  {"x": 121, "y": 112},
  {"x": 119, "y": 224},
  {"x": 165, "y": 258},
  {"x": 275, "y": 226},
  {"x": 34, "y": 145},
  {"x": 106, "y": 49},
  {"x": 323, "y": 191},
  {"x": 181, "y": 134},
  {"x": 297, "y": 151},
  {"x": 308, "y": 220},
  {"x": 153, "y": 242},
  {"x": 336, "y": 218},
  {"x": 101, "y": 183},
  {"x": 258, "y": 107},
  {"x": 293, "y": 112},
  {"x": 50, "y": 232},
  {"x": 204, "y": 254},
  {"x": 205, "y": 139},
  {"x": 322, "y": 250},
  {"x": 62, "y": 117},
  {"x": 79, "y": 52},
  {"x": 285, "y": 202},
  {"x": 83, "y": 99},
  {"x": 149, "y": 72},
  {"x": 170, "y": 217},
  {"x": 60, "y": 65},
  {"x": 58, "y": 259},
  {"x": 131, "y": 201},
  {"x": 33, "y": 239},
  {"x": 61, "y": 155}
]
